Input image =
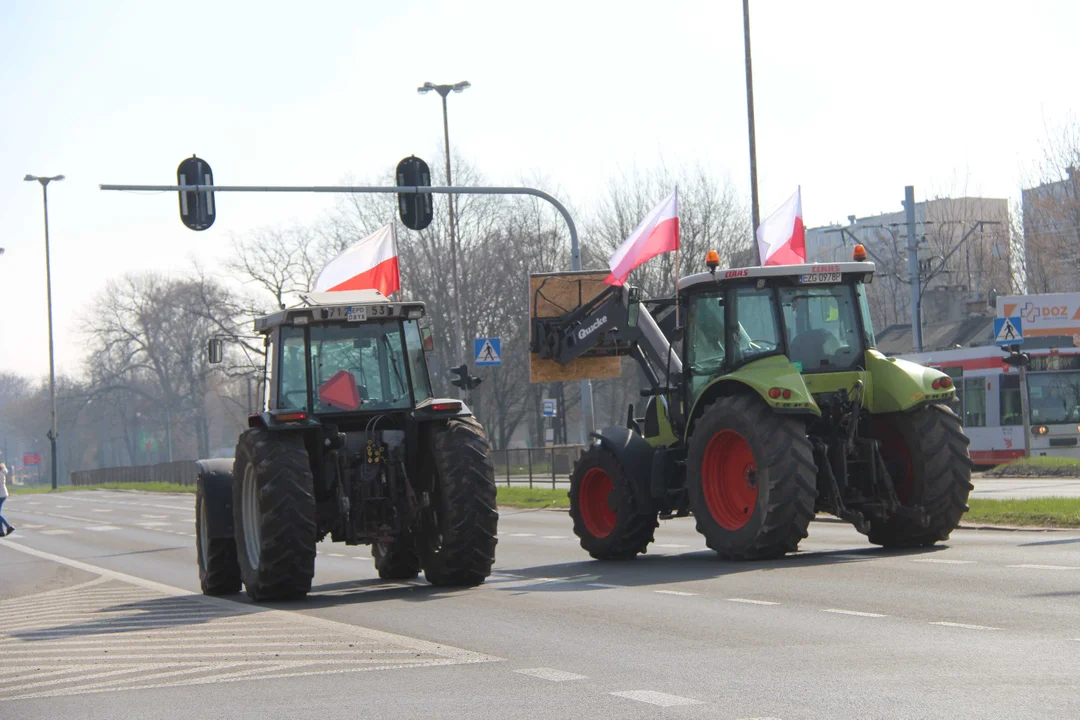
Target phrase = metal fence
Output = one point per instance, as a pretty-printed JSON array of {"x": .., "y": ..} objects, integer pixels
[
  {"x": 536, "y": 467},
  {"x": 184, "y": 472}
]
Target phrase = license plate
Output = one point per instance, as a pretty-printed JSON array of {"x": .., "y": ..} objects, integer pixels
[
  {"x": 832, "y": 277},
  {"x": 356, "y": 314}
]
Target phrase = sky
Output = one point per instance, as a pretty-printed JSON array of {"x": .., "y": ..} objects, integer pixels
[{"x": 853, "y": 101}]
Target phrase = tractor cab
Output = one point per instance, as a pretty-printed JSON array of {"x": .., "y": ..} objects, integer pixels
[{"x": 347, "y": 354}]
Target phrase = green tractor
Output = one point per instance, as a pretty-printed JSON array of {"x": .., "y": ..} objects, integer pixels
[
  {"x": 352, "y": 444},
  {"x": 770, "y": 405}
]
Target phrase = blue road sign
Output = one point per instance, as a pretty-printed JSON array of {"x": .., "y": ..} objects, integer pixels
[
  {"x": 1008, "y": 331},
  {"x": 487, "y": 351},
  {"x": 550, "y": 407}
]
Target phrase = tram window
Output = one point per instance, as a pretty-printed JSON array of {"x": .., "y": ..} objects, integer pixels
[
  {"x": 974, "y": 402},
  {"x": 1010, "y": 400}
]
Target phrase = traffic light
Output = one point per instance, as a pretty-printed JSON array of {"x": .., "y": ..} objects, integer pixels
[
  {"x": 415, "y": 208},
  {"x": 196, "y": 208},
  {"x": 1017, "y": 359},
  {"x": 462, "y": 379}
]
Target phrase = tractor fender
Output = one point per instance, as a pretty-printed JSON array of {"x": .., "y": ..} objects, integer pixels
[
  {"x": 215, "y": 484},
  {"x": 636, "y": 457}
]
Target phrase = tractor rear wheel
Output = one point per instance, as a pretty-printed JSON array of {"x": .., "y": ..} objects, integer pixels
[
  {"x": 457, "y": 544},
  {"x": 751, "y": 478},
  {"x": 274, "y": 514},
  {"x": 925, "y": 452},
  {"x": 396, "y": 560},
  {"x": 219, "y": 570},
  {"x": 607, "y": 516}
]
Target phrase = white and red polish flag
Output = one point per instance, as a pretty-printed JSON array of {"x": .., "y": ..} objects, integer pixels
[
  {"x": 368, "y": 264},
  {"x": 657, "y": 233},
  {"x": 782, "y": 237}
]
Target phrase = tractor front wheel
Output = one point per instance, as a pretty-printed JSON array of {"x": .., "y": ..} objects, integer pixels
[
  {"x": 751, "y": 478},
  {"x": 925, "y": 452},
  {"x": 608, "y": 518}
]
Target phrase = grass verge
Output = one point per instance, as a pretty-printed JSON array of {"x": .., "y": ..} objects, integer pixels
[
  {"x": 1038, "y": 467},
  {"x": 1041, "y": 512},
  {"x": 145, "y": 487},
  {"x": 524, "y": 497}
]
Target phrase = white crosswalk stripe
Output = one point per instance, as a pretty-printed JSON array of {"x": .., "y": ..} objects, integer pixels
[{"x": 107, "y": 635}]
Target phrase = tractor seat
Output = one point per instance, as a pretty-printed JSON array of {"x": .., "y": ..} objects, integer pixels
[{"x": 814, "y": 347}]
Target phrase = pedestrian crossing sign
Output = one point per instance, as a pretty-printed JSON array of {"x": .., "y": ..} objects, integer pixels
[
  {"x": 1008, "y": 331},
  {"x": 487, "y": 351}
]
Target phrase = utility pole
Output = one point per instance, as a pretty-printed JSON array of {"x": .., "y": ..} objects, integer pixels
[
  {"x": 913, "y": 268},
  {"x": 755, "y": 216},
  {"x": 52, "y": 434}
]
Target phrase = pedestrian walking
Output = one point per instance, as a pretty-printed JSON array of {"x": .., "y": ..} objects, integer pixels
[{"x": 5, "y": 526}]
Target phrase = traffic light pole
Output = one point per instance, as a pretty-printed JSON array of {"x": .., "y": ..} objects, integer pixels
[{"x": 588, "y": 423}]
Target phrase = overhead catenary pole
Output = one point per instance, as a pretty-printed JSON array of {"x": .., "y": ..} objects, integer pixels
[
  {"x": 755, "y": 215},
  {"x": 914, "y": 279}
]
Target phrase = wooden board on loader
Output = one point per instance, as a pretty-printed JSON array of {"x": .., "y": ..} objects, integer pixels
[{"x": 555, "y": 294}]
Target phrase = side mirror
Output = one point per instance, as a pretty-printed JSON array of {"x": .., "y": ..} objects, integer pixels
[
  {"x": 215, "y": 350},
  {"x": 427, "y": 339}
]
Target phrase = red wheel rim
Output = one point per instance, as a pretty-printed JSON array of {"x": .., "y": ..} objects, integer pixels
[
  {"x": 594, "y": 499},
  {"x": 897, "y": 457},
  {"x": 729, "y": 479}
]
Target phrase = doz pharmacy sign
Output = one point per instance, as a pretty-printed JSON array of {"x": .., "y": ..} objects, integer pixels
[{"x": 1043, "y": 315}]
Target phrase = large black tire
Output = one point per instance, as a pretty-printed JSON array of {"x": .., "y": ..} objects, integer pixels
[
  {"x": 607, "y": 515},
  {"x": 751, "y": 478},
  {"x": 457, "y": 545},
  {"x": 396, "y": 560},
  {"x": 926, "y": 454},
  {"x": 275, "y": 530},
  {"x": 219, "y": 570}
]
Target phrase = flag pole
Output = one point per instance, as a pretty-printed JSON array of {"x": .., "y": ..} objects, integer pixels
[{"x": 393, "y": 239}]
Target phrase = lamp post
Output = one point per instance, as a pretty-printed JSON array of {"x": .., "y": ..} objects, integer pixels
[
  {"x": 48, "y": 289},
  {"x": 459, "y": 328}
]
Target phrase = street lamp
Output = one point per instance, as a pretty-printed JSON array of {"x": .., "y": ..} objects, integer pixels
[
  {"x": 443, "y": 91},
  {"x": 48, "y": 288}
]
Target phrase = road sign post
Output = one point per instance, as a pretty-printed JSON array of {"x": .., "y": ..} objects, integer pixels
[{"x": 1009, "y": 333}]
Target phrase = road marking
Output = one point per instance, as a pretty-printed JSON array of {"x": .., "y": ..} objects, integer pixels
[
  {"x": 156, "y": 517},
  {"x": 965, "y": 625},
  {"x": 854, "y": 612},
  {"x": 57, "y": 531},
  {"x": 604, "y": 585},
  {"x": 945, "y": 562},
  {"x": 555, "y": 537},
  {"x": 669, "y": 545},
  {"x": 30, "y": 526},
  {"x": 675, "y": 592},
  {"x": 63, "y": 506},
  {"x": 656, "y": 698},
  {"x": 752, "y": 602},
  {"x": 101, "y": 528},
  {"x": 151, "y": 524},
  {"x": 1035, "y": 567},
  {"x": 522, "y": 535},
  {"x": 337, "y": 555},
  {"x": 72, "y": 641},
  {"x": 101, "y": 510},
  {"x": 551, "y": 674}
]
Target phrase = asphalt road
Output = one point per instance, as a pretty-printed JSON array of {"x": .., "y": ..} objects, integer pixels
[
  {"x": 990, "y": 488},
  {"x": 99, "y": 619}
]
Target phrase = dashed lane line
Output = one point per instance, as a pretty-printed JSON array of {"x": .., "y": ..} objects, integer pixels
[
  {"x": 555, "y": 537},
  {"x": 521, "y": 535},
  {"x": 102, "y": 528},
  {"x": 1045, "y": 567},
  {"x": 58, "y": 531},
  {"x": 752, "y": 602},
  {"x": 605, "y": 585},
  {"x": 675, "y": 592},
  {"x": 945, "y": 562},
  {"x": 656, "y": 698},
  {"x": 551, "y": 674},
  {"x": 856, "y": 613},
  {"x": 966, "y": 626},
  {"x": 669, "y": 545}
]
